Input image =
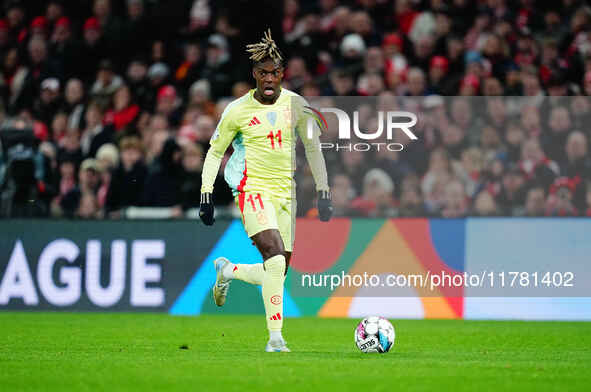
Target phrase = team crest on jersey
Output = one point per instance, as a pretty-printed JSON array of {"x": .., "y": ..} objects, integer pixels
[
  {"x": 272, "y": 117},
  {"x": 262, "y": 218}
]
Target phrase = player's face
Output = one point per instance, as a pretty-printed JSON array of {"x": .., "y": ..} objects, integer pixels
[{"x": 268, "y": 76}]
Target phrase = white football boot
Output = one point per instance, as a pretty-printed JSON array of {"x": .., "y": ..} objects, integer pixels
[
  {"x": 221, "y": 286},
  {"x": 277, "y": 346}
]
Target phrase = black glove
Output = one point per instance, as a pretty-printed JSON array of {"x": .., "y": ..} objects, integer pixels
[
  {"x": 206, "y": 209},
  {"x": 324, "y": 206}
]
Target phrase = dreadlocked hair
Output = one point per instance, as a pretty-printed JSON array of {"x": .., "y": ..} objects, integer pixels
[{"x": 265, "y": 48}]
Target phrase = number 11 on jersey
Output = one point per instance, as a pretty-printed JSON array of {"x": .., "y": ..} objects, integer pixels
[{"x": 273, "y": 137}]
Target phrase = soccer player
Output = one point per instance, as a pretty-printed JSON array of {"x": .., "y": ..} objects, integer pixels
[{"x": 261, "y": 125}]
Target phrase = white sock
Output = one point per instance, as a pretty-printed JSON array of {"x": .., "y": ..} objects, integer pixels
[
  {"x": 272, "y": 291},
  {"x": 250, "y": 273},
  {"x": 275, "y": 335},
  {"x": 228, "y": 271}
]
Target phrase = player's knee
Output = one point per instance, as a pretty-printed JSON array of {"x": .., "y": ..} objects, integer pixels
[
  {"x": 276, "y": 266},
  {"x": 272, "y": 247}
]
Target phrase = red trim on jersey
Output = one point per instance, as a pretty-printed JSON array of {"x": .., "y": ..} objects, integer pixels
[{"x": 244, "y": 178}]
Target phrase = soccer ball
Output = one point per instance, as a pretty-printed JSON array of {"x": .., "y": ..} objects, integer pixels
[{"x": 374, "y": 335}]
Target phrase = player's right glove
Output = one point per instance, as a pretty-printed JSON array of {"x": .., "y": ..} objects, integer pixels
[
  {"x": 324, "y": 206},
  {"x": 206, "y": 209}
]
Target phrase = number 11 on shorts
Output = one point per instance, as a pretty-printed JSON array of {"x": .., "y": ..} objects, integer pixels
[{"x": 251, "y": 200}]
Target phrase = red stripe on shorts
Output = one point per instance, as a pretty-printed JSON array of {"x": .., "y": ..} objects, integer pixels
[{"x": 241, "y": 202}]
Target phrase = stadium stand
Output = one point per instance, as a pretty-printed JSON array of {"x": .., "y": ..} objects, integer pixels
[{"x": 122, "y": 98}]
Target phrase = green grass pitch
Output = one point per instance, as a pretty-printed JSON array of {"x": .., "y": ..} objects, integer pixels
[{"x": 142, "y": 352}]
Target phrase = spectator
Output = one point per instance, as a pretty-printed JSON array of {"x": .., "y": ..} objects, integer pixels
[
  {"x": 191, "y": 186},
  {"x": 437, "y": 175},
  {"x": 137, "y": 80},
  {"x": 342, "y": 194},
  {"x": 535, "y": 164},
  {"x": 468, "y": 170},
  {"x": 485, "y": 205},
  {"x": 95, "y": 134},
  {"x": 352, "y": 51},
  {"x": 455, "y": 201},
  {"x": 128, "y": 178},
  {"x": 580, "y": 108},
  {"x": 417, "y": 85},
  {"x": 191, "y": 67},
  {"x": 169, "y": 105},
  {"x": 341, "y": 83},
  {"x": 511, "y": 195},
  {"x": 88, "y": 184},
  {"x": 88, "y": 207},
  {"x": 63, "y": 46},
  {"x": 514, "y": 137},
  {"x": 59, "y": 127},
  {"x": 106, "y": 84},
  {"x": 393, "y": 163},
  {"x": 296, "y": 73},
  {"x": 74, "y": 103},
  {"x": 577, "y": 161},
  {"x": 554, "y": 141},
  {"x": 490, "y": 143},
  {"x": 535, "y": 201},
  {"x": 137, "y": 29},
  {"x": 396, "y": 65},
  {"x": 355, "y": 166},
  {"x": 108, "y": 160},
  {"x": 411, "y": 203},
  {"x": 158, "y": 74},
  {"x": 205, "y": 128},
  {"x": 374, "y": 61},
  {"x": 90, "y": 51},
  {"x": 55, "y": 11},
  {"x": 49, "y": 101},
  {"x": 218, "y": 68},
  {"x": 560, "y": 200},
  {"x": 370, "y": 85},
  {"x": 125, "y": 112},
  {"x": 164, "y": 180},
  {"x": 200, "y": 95},
  {"x": 377, "y": 198},
  {"x": 111, "y": 26},
  {"x": 437, "y": 70},
  {"x": 67, "y": 181}
]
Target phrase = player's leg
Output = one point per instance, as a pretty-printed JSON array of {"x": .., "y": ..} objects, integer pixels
[
  {"x": 253, "y": 273},
  {"x": 249, "y": 273},
  {"x": 276, "y": 247},
  {"x": 255, "y": 218},
  {"x": 270, "y": 244},
  {"x": 286, "y": 222}
]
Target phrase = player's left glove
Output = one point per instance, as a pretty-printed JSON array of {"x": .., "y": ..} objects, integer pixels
[
  {"x": 324, "y": 206},
  {"x": 206, "y": 209}
]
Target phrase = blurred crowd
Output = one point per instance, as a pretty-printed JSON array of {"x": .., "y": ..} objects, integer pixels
[{"x": 122, "y": 97}]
